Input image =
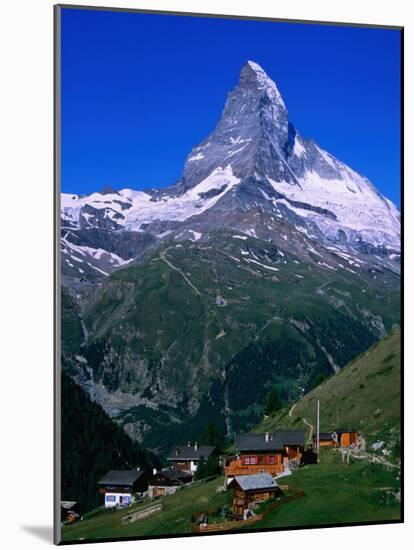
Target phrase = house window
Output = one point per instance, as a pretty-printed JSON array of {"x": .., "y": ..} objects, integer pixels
[
  {"x": 125, "y": 499},
  {"x": 247, "y": 460},
  {"x": 110, "y": 498}
]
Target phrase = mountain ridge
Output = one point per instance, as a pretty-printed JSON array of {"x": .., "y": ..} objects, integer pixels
[
  {"x": 269, "y": 259},
  {"x": 254, "y": 157}
]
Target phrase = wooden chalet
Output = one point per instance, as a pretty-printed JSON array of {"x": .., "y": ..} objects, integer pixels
[
  {"x": 167, "y": 481},
  {"x": 346, "y": 437},
  {"x": 267, "y": 452},
  {"x": 326, "y": 439},
  {"x": 249, "y": 489},
  {"x": 118, "y": 487},
  {"x": 187, "y": 457},
  {"x": 337, "y": 438},
  {"x": 69, "y": 511}
]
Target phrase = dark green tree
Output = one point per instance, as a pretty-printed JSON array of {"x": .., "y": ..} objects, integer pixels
[
  {"x": 272, "y": 403},
  {"x": 212, "y": 435},
  {"x": 201, "y": 468},
  {"x": 212, "y": 466}
]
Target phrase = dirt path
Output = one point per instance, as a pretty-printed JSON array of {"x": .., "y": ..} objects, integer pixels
[
  {"x": 308, "y": 424},
  {"x": 292, "y": 409},
  {"x": 183, "y": 275}
]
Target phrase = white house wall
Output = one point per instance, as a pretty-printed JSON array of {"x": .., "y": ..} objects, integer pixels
[{"x": 115, "y": 499}]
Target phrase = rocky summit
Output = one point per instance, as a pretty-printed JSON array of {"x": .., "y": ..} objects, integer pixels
[{"x": 270, "y": 262}]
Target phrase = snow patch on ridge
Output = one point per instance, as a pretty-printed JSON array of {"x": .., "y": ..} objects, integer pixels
[
  {"x": 361, "y": 212},
  {"x": 298, "y": 149},
  {"x": 138, "y": 208},
  {"x": 180, "y": 208}
]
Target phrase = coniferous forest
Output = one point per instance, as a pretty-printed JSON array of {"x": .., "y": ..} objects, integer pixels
[{"x": 92, "y": 444}]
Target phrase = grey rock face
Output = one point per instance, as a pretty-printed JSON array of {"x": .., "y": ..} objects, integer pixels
[
  {"x": 93, "y": 217},
  {"x": 251, "y": 134},
  {"x": 255, "y": 136}
]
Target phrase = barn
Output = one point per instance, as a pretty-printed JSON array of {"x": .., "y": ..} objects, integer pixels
[
  {"x": 326, "y": 439},
  {"x": 346, "y": 437},
  {"x": 341, "y": 437}
]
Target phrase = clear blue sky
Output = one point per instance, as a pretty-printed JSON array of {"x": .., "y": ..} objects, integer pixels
[{"x": 140, "y": 90}]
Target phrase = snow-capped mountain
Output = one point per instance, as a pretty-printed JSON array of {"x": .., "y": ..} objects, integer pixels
[
  {"x": 254, "y": 159},
  {"x": 269, "y": 260}
]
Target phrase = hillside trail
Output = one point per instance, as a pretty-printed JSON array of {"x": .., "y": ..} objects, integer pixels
[
  {"x": 304, "y": 420},
  {"x": 292, "y": 409},
  {"x": 311, "y": 428},
  {"x": 187, "y": 280}
]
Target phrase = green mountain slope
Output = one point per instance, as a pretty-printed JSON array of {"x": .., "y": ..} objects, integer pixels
[
  {"x": 200, "y": 330},
  {"x": 92, "y": 444},
  {"x": 334, "y": 494},
  {"x": 365, "y": 395}
]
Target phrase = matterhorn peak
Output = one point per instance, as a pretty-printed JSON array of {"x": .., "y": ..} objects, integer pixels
[
  {"x": 254, "y": 159},
  {"x": 253, "y": 128},
  {"x": 255, "y": 68},
  {"x": 252, "y": 75}
]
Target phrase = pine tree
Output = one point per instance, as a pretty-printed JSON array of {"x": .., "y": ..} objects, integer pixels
[
  {"x": 272, "y": 403},
  {"x": 212, "y": 467},
  {"x": 201, "y": 468},
  {"x": 213, "y": 436}
]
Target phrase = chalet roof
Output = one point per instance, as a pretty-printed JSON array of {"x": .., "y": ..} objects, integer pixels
[
  {"x": 257, "y": 442},
  {"x": 175, "y": 474},
  {"x": 180, "y": 476},
  {"x": 256, "y": 481},
  {"x": 121, "y": 477},
  {"x": 291, "y": 437},
  {"x": 345, "y": 430},
  {"x": 189, "y": 452},
  {"x": 275, "y": 442}
]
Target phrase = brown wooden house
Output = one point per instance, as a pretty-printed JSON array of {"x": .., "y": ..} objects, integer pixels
[
  {"x": 267, "y": 452},
  {"x": 346, "y": 437},
  {"x": 187, "y": 457},
  {"x": 249, "y": 489},
  {"x": 69, "y": 511},
  {"x": 167, "y": 481},
  {"x": 337, "y": 438},
  {"x": 326, "y": 439},
  {"x": 118, "y": 487}
]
